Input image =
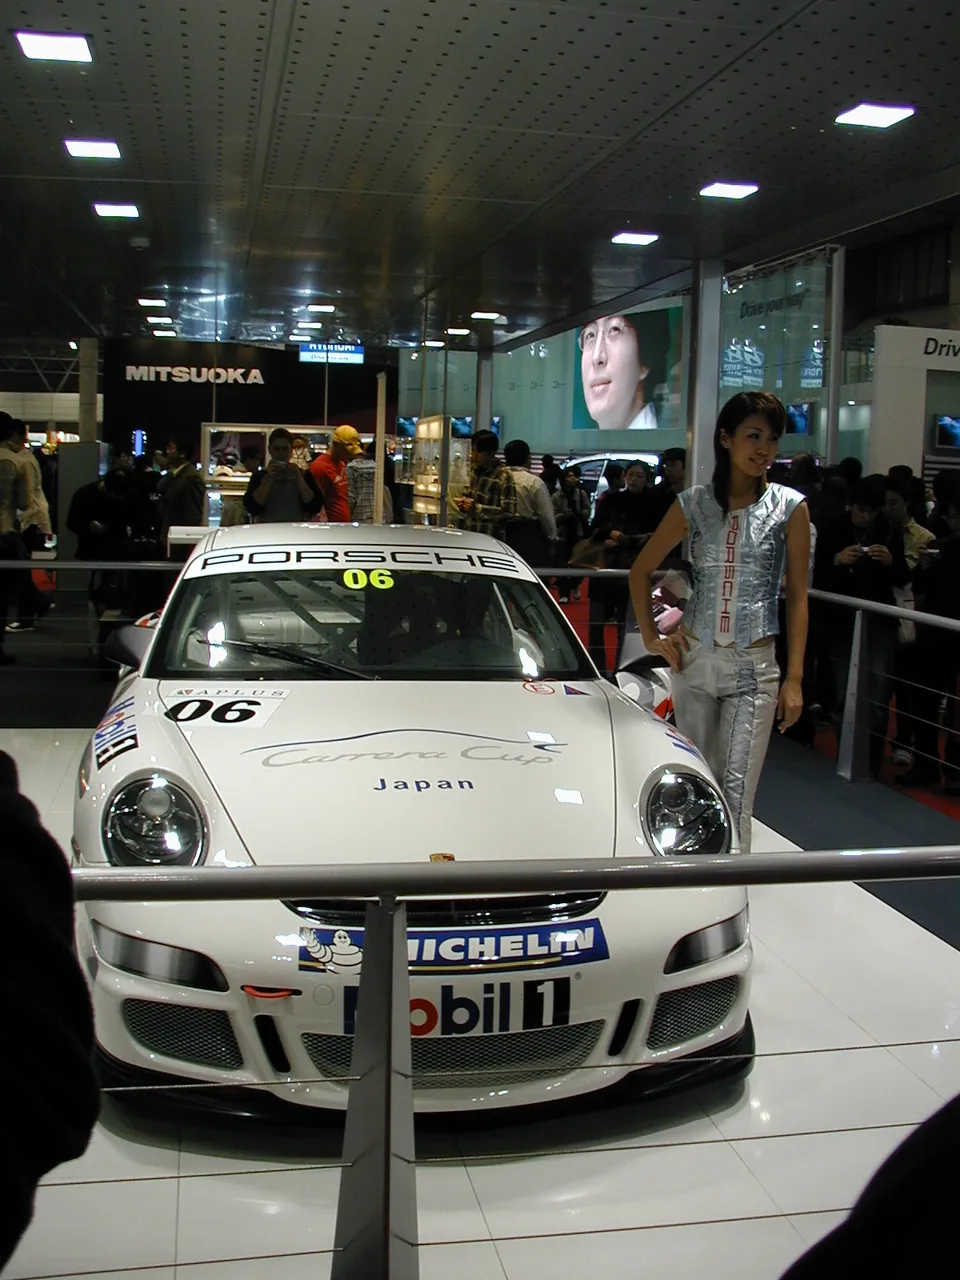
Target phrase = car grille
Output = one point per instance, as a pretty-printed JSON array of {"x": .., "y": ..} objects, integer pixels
[
  {"x": 457, "y": 913},
  {"x": 202, "y": 1036},
  {"x": 474, "y": 1062},
  {"x": 693, "y": 1011}
]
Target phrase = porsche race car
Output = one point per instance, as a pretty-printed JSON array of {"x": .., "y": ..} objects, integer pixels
[{"x": 329, "y": 694}]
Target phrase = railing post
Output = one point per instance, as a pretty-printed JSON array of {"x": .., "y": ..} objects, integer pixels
[
  {"x": 376, "y": 1232},
  {"x": 853, "y": 756}
]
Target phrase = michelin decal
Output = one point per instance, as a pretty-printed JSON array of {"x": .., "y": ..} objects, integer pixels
[{"x": 439, "y": 951}]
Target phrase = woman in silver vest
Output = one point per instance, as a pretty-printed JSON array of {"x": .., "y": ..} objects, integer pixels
[{"x": 742, "y": 531}]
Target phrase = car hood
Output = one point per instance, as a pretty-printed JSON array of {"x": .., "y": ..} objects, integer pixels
[{"x": 327, "y": 772}]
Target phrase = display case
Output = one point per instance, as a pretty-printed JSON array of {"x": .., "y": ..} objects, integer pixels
[
  {"x": 419, "y": 463},
  {"x": 222, "y": 446}
]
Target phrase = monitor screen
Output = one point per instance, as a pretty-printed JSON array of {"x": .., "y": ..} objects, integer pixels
[
  {"x": 948, "y": 432},
  {"x": 798, "y": 419},
  {"x": 461, "y": 428},
  {"x": 406, "y": 427}
]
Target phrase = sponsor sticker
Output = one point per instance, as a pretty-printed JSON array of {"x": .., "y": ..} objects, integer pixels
[
  {"x": 441, "y": 951},
  {"x": 684, "y": 744},
  {"x": 538, "y": 686},
  {"x": 116, "y": 734},
  {"x": 571, "y": 692},
  {"x": 318, "y": 557},
  {"x": 490, "y": 1008},
  {"x": 202, "y": 707}
]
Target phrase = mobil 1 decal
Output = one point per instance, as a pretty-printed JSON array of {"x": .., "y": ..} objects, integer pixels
[
  {"x": 116, "y": 734},
  {"x": 491, "y": 1007},
  {"x": 210, "y": 706}
]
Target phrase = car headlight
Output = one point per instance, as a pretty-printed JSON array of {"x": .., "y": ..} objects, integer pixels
[
  {"x": 153, "y": 822},
  {"x": 684, "y": 813}
]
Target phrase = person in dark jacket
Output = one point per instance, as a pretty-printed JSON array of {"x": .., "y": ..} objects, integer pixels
[
  {"x": 49, "y": 1082},
  {"x": 864, "y": 557},
  {"x": 903, "y": 1224},
  {"x": 183, "y": 496},
  {"x": 934, "y": 661},
  {"x": 624, "y": 525}
]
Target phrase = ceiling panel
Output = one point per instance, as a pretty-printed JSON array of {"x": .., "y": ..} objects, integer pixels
[{"x": 472, "y": 153}]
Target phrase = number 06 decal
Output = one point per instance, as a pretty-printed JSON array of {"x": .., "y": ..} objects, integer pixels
[
  {"x": 357, "y": 579},
  {"x": 236, "y": 711}
]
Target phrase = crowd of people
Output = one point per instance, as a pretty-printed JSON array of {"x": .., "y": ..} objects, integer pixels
[{"x": 885, "y": 539}]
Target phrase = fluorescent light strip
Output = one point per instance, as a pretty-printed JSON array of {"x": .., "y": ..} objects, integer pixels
[
  {"x": 729, "y": 190},
  {"x": 159, "y": 320},
  {"x": 458, "y": 333},
  {"x": 634, "y": 237},
  {"x": 117, "y": 210},
  {"x": 151, "y": 302},
  {"x": 485, "y": 315},
  {"x": 164, "y": 333},
  {"x": 871, "y": 115},
  {"x": 433, "y": 342},
  {"x": 91, "y": 149},
  {"x": 309, "y": 324},
  {"x": 46, "y": 47},
  {"x": 325, "y": 307}
]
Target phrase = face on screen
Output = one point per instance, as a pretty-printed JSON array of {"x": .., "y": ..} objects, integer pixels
[{"x": 613, "y": 372}]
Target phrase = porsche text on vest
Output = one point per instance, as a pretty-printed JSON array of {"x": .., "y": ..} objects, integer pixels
[{"x": 181, "y": 373}]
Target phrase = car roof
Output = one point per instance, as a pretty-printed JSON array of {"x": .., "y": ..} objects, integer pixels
[{"x": 268, "y": 535}]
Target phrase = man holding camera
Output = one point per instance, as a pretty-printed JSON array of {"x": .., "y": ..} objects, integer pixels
[{"x": 280, "y": 492}]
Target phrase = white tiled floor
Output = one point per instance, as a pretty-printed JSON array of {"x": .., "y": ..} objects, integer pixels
[{"x": 733, "y": 1182}]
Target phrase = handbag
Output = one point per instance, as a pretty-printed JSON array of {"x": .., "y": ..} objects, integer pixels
[{"x": 587, "y": 554}]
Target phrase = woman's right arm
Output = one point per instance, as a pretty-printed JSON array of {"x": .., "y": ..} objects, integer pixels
[{"x": 671, "y": 530}]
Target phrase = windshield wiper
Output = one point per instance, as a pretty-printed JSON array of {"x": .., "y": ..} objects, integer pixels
[{"x": 288, "y": 654}]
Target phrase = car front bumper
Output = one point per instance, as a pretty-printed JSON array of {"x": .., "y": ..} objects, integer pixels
[{"x": 543, "y": 1028}]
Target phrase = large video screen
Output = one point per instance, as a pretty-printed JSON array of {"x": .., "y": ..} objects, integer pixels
[
  {"x": 629, "y": 375},
  {"x": 948, "y": 432}
]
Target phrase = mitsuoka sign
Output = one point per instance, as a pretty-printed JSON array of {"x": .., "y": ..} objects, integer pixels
[{"x": 193, "y": 373}]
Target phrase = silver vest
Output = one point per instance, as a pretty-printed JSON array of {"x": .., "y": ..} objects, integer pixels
[{"x": 762, "y": 554}]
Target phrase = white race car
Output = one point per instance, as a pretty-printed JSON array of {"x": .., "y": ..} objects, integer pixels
[{"x": 320, "y": 695}]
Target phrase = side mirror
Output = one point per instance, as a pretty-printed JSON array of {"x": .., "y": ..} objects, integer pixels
[{"x": 127, "y": 646}]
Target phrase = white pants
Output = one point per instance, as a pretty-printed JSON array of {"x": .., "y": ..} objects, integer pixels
[{"x": 725, "y": 702}]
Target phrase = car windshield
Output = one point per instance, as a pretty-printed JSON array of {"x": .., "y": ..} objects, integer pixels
[{"x": 391, "y": 624}]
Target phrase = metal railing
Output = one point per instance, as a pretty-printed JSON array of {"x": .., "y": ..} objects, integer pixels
[
  {"x": 376, "y": 1224},
  {"x": 853, "y": 755}
]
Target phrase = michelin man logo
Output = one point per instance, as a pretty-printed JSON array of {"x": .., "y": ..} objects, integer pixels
[{"x": 340, "y": 955}]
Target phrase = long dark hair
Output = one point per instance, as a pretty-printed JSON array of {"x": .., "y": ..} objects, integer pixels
[{"x": 745, "y": 404}]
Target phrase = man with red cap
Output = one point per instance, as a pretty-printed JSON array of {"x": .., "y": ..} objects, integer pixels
[{"x": 330, "y": 473}]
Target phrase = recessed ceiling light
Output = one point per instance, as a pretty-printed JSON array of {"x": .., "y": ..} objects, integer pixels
[
  {"x": 458, "y": 333},
  {"x": 159, "y": 320},
  {"x": 54, "y": 48},
  {"x": 634, "y": 237},
  {"x": 871, "y": 115},
  {"x": 309, "y": 324},
  {"x": 117, "y": 210},
  {"x": 729, "y": 190},
  {"x": 90, "y": 149},
  {"x": 72, "y": 345},
  {"x": 851, "y": 402},
  {"x": 164, "y": 333},
  {"x": 152, "y": 302},
  {"x": 485, "y": 315},
  {"x": 325, "y": 307},
  {"x": 433, "y": 342}
]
